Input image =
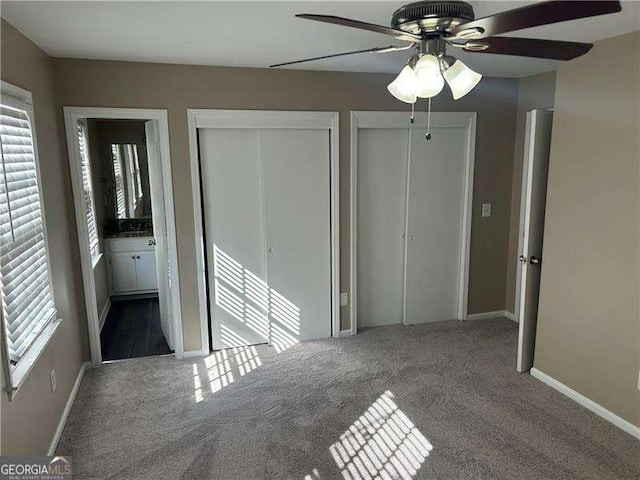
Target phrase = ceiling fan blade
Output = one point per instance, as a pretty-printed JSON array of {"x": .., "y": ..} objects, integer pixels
[
  {"x": 346, "y": 22},
  {"x": 368, "y": 50},
  {"x": 528, "y": 47},
  {"x": 535, "y": 15}
]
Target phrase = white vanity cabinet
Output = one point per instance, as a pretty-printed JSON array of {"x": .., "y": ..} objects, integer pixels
[{"x": 132, "y": 265}]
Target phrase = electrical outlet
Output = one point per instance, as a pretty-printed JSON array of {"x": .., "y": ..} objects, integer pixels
[
  {"x": 344, "y": 299},
  {"x": 53, "y": 380},
  {"x": 486, "y": 209}
]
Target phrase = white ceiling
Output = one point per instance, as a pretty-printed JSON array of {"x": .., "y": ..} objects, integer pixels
[{"x": 257, "y": 34}]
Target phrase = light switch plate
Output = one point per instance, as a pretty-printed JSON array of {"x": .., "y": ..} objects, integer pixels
[
  {"x": 486, "y": 209},
  {"x": 344, "y": 299}
]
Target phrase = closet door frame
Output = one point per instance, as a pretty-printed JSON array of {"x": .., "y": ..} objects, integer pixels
[
  {"x": 263, "y": 119},
  {"x": 371, "y": 119}
]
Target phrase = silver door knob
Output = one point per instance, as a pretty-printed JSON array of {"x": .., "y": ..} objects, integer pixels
[
  {"x": 522, "y": 259},
  {"x": 271, "y": 250},
  {"x": 535, "y": 261},
  {"x": 413, "y": 237},
  {"x": 403, "y": 236}
]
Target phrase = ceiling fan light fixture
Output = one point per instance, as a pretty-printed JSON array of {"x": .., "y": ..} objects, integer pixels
[
  {"x": 460, "y": 78},
  {"x": 404, "y": 86},
  {"x": 428, "y": 76}
]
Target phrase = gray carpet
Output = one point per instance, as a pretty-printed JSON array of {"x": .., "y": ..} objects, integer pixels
[{"x": 440, "y": 401}]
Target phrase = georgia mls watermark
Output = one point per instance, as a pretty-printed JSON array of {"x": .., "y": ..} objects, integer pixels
[{"x": 35, "y": 468}]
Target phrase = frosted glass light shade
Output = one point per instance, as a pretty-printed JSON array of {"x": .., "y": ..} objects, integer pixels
[
  {"x": 461, "y": 79},
  {"x": 404, "y": 86},
  {"x": 430, "y": 81}
]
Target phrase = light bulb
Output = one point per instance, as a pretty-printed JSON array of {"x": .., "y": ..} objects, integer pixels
[
  {"x": 461, "y": 79},
  {"x": 404, "y": 86},
  {"x": 429, "y": 78}
]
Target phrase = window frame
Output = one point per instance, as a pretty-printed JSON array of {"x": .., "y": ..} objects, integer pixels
[
  {"x": 19, "y": 98},
  {"x": 138, "y": 175}
]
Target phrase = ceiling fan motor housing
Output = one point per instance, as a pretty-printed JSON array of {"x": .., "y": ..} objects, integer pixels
[{"x": 432, "y": 17}]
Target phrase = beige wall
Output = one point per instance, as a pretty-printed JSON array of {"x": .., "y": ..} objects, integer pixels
[
  {"x": 30, "y": 420},
  {"x": 178, "y": 87},
  {"x": 536, "y": 91},
  {"x": 589, "y": 318}
]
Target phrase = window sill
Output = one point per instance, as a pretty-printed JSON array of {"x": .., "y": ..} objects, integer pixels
[
  {"x": 20, "y": 374},
  {"x": 95, "y": 260}
]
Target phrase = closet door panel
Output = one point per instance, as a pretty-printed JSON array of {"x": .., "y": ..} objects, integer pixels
[
  {"x": 234, "y": 229},
  {"x": 296, "y": 181},
  {"x": 436, "y": 182},
  {"x": 381, "y": 200}
]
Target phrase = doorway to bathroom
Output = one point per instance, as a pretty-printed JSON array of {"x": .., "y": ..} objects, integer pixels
[{"x": 120, "y": 169}]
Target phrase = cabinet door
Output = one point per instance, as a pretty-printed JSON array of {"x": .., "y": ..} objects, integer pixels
[
  {"x": 146, "y": 274},
  {"x": 123, "y": 272}
]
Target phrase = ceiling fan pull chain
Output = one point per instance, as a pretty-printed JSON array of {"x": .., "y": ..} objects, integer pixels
[
  {"x": 413, "y": 107},
  {"x": 428, "y": 134}
]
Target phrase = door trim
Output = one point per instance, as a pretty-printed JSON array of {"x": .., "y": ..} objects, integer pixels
[
  {"x": 264, "y": 119},
  {"x": 71, "y": 117},
  {"x": 381, "y": 119}
]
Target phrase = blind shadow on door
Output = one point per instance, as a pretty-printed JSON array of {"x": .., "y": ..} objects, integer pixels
[{"x": 250, "y": 301}]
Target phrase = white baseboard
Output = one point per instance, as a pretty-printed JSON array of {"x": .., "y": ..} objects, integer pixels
[
  {"x": 195, "y": 353},
  {"x": 104, "y": 313},
  {"x": 596, "y": 408},
  {"x": 482, "y": 316},
  {"x": 67, "y": 409},
  {"x": 346, "y": 333},
  {"x": 511, "y": 316}
]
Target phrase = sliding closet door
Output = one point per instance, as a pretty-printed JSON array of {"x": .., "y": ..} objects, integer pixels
[
  {"x": 234, "y": 228},
  {"x": 434, "y": 227},
  {"x": 296, "y": 166},
  {"x": 381, "y": 203}
]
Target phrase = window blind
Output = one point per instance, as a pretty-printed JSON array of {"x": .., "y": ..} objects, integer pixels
[
  {"x": 131, "y": 181},
  {"x": 88, "y": 188},
  {"x": 121, "y": 202},
  {"x": 27, "y": 299}
]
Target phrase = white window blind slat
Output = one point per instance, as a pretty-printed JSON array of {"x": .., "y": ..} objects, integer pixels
[{"x": 27, "y": 299}]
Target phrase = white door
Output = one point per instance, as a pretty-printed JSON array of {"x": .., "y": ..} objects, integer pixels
[
  {"x": 123, "y": 272},
  {"x": 296, "y": 198},
  {"x": 160, "y": 258},
  {"x": 146, "y": 275},
  {"x": 534, "y": 194},
  {"x": 434, "y": 224},
  {"x": 231, "y": 168},
  {"x": 381, "y": 207}
]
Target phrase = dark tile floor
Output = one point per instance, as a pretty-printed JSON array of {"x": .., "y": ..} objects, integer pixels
[{"x": 132, "y": 329}]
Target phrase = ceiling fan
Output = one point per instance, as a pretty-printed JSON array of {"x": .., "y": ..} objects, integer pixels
[{"x": 430, "y": 27}]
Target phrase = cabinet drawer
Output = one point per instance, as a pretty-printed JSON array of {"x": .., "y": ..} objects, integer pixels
[{"x": 131, "y": 244}]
